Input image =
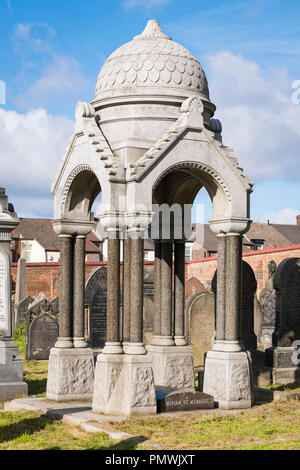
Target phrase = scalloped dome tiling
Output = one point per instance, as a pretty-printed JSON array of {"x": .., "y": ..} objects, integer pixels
[{"x": 152, "y": 59}]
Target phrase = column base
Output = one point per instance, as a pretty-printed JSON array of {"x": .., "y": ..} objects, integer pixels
[
  {"x": 162, "y": 341},
  {"x": 11, "y": 371},
  {"x": 180, "y": 341},
  {"x": 124, "y": 385},
  {"x": 173, "y": 366},
  {"x": 112, "y": 348},
  {"x": 80, "y": 343},
  {"x": 228, "y": 378},
  {"x": 64, "y": 343},
  {"x": 134, "y": 349},
  {"x": 70, "y": 374}
]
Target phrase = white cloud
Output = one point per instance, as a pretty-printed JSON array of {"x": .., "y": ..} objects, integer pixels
[
  {"x": 258, "y": 116},
  {"x": 32, "y": 148},
  {"x": 148, "y": 4},
  {"x": 61, "y": 80},
  {"x": 284, "y": 216}
]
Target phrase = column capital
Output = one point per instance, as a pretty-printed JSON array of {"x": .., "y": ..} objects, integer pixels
[
  {"x": 230, "y": 226},
  {"x": 65, "y": 227}
]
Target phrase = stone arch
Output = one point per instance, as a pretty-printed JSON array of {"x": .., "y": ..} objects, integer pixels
[{"x": 80, "y": 190}]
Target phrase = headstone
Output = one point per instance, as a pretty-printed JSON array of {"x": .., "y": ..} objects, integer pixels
[
  {"x": 267, "y": 300},
  {"x": 201, "y": 315},
  {"x": 21, "y": 311},
  {"x": 96, "y": 305},
  {"x": 148, "y": 285},
  {"x": 96, "y": 302},
  {"x": 11, "y": 364},
  {"x": 168, "y": 400},
  {"x": 258, "y": 318},
  {"x": 41, "y": 328},
  {"x": 286, "y": 337},
  {"x": 21, "y": 284},
  {"x": 192, "y": 287}
]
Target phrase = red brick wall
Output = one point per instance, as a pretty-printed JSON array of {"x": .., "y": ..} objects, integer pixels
[
  {"x": 44, "y": 277},
  {"x": 204, "y": 269}
]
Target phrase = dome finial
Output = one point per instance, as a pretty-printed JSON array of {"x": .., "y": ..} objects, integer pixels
[{"x": 152, "y": 30}]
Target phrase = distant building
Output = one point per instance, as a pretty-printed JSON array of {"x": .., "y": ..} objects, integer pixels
[{"x": 35, "y": 240}]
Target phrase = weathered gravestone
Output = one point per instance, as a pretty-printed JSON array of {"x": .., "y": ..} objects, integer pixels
[
  {"x": 11, "y": 364},
  {"x": 283, "y": 356},
  {"x": 258, "y": 318},
  {"x": 21, "y": 290},
  {"x": 41, "y": 328},
  {"x": 192, "y": 287},
  {"x": 21, "y": 311},
  {"x": 267, "y": 300},
  {"x": 201, "y": 326},
  {"x": 96, "y": 302}
]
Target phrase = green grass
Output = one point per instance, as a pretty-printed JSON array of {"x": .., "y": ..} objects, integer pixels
[
  {"x": 292, "y": 387},
  {"x": 270, "y": 426},
  {"x": 33, "y": 431},
  {"x": 268, "y": 423}
]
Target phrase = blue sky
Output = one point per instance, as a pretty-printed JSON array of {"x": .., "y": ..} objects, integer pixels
[{"x": 52, "y": 52}]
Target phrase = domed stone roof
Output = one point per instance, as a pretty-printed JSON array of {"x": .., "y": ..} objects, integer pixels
[{"x": 153, "y": 60}]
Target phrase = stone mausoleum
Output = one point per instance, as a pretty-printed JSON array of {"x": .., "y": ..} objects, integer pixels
[{"x": 148, "y": 139}]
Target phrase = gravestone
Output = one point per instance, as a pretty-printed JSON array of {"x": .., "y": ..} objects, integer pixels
[
  {"x": 11, "y": 364},
  {"x": 174, "y": 400},
  {"x": 282, "y": 357},
  {"x": 21, "y": 311},
  {"x": 267, "y": 300},
  {"x": 258, "y": 318},
  {"x": 96, "y": 302},
  {"x": 96, "y": 306},
  {"x": 201, "y": 315},
  {"x": 192, "y": 287},
  {"x": 41, "y": 328},
  {"x": 21, "y": 284}
]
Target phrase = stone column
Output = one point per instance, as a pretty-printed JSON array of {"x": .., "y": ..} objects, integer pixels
[
  {"x": 65, "y": 336},
  {"x": 11, "y": 364},
  {"x": 113, "y": 343},
  {"x": 221, "y": 283},
  {"x": 126, "y": 290},
  {"x": 78, "y": 289},
  {"x": 179, "y": 294},
  {"x": 71, "y": 362},
  {"x": 233, "y": 290},
  {"x": 228, "y": 368},
  {"x": 173, "y": 364},
  {"x": 124, "y": 383},
  {"x": 166, "y": 337},
  {"x": 157, "y": 293}
]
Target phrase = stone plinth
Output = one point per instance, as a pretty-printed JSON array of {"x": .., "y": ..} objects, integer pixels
[
  {"x": 70, "y": 374},
  {"x": 173, "y": 366},
  {"x": 228, "y": 379},
  {"x": 285, "y": 364},
  {"x": 11, "y": 372},
  {"x": 124, "y": 385}
]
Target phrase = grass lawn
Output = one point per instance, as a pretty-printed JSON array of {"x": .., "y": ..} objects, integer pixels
[
  {"x": 262, "y": 429},
  {"x": 33, "y": 431},
  {"x": 270, "y": 426}
]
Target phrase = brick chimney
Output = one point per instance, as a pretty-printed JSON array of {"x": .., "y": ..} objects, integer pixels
[{"x": 298, "y": 219}]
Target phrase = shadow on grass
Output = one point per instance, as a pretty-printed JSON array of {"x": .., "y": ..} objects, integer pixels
[
  {"x": 286, "y": 387},
  {"x": 36, "y": 386},
  {"x": 26, "y": 426}
]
